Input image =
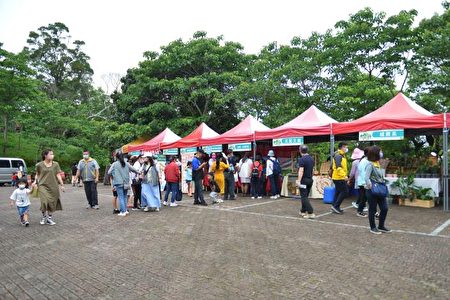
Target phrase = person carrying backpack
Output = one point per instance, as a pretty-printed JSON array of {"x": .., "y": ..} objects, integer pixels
[
  {"x": 257, "y": 178},
  {"x": 273, "y": 172}
]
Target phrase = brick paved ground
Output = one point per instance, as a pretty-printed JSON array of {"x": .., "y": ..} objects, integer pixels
[{"x": 241, "y": 249}]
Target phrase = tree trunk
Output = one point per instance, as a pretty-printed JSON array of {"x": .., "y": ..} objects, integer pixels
[{"x": 5, "y": 133}]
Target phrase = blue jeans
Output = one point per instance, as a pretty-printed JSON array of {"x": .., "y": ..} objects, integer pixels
[
  {"x": 171, "y": 187},
  {"x": 122, "y": 194},
  {"x": 256, "y": 187},
  {"x": 274, "y": 185}
]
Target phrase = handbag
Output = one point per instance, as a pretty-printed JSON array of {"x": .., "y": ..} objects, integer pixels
[
  {"x": 35, "y": 192},
  {"x": 179, "y": 195},
  {"x": 379, "y": 189}
]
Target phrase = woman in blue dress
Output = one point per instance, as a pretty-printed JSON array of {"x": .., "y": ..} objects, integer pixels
[{"x": 150, "y": 185}]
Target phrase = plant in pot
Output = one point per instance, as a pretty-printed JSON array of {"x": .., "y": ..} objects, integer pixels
[
  {"x": 406, "y": 186},
  {"x": 413, "y": 195}
]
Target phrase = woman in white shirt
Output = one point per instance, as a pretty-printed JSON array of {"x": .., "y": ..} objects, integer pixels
[{"x": 245, "y": 173}]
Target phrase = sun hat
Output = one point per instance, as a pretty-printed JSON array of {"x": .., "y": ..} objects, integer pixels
[
  {"x": 271, "y": 153},
  {"x": 357, "y": 153}
]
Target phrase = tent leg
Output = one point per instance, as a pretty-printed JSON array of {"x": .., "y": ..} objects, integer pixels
[
  {"x": 331, "y": 145},
  {"x": 445, "y": 168},
  {"x": 254, "y": 151}
]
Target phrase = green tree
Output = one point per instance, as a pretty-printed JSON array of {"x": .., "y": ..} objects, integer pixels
[
  {"x": 429, "y": 78},
  {"x": 17, "y": 89},
  {"x": 184, "y": 85},
  {"x": 60, "y": 64}
]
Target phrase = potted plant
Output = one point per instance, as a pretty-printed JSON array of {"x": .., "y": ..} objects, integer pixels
[{"x": 413, "y": 195}]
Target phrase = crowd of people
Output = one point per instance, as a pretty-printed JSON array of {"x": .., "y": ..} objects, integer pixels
[{"x": 137, "y": 180}]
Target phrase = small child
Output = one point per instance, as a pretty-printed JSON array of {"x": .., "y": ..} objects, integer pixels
[
  {"x": 188, "y": 177},
  {"x": 14, "y": 179},
  {"x": 20, "y": 196},
  {"x": 215, "y": 189}
]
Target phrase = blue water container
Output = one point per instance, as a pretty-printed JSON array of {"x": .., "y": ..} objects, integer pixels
[{"x": 328, "y": 194}]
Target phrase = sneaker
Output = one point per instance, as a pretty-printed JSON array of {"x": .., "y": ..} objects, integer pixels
[
  {"x": 88, "y": 206},
  {"x": 354, "y": 204},
  {"x": 145, "y": 208},
  {"x": 204, "y": 203},
  {"x": 43, "y": 220},
  {"x": 375, "y": 231},
  {"x": 309, "y": 216},
  {"x": 50, "y": 222},
  {"x": 134, "y": 209},
  {"x": 384, "y": 229},
  {"x": 198, "y": 203},
  {"x": 336, "y": 210},
  {"x": 173, "y": 204},
  {"x": 96, "y": 207},
  {"x": 302, "y": 214},
  {"x": 259, "y": 197},
  {"x": 361, "y": 214},
  {"x": 165, "y": 203},
  {"x": 366, "y": 209},
  {"x": 253, "y": 197},
  {"x": 157, "y": 209},
  {"x": 122, "y": 214},
  {"x": 219, "y": 201},
  {"x": 27, "y": 223},
  {"x": 116, "y": 211},
  {"x": 127, "y": 212},
  {"x": 22, "y": 223},
  {"x": 278, "y": 196},
  {"x": 273, "y": 197}
]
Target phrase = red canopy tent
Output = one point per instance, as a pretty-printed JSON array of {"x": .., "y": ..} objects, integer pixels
[
  {"x": 399, "y": 113},
  {"x": 241, "y": 133},
  {"x": 166, "y": 136},
  {"x": 193, "y": 139},
  {"x": 311, "y": 122}
]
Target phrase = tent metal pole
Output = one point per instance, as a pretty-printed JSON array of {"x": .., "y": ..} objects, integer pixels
[
  {"x": 331, "y": 142},
  {"x": 254, "y": 147},
  {"x": 445, "y": 164}
]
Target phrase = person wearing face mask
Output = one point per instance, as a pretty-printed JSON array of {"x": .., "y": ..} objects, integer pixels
[
  {"x": 88, "y": 170},
  {"x": 48, "y": 175},
  {"x": 22, "y": 200},
  {"x": 339, "y": 176}
]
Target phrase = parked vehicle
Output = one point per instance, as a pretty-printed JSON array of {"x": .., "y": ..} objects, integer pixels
[{"x": 10, "y": 165}]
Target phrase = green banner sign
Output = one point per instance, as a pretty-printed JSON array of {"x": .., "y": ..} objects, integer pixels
[
  {"x": 188, "y": 150},
  {"x": 134, "y": 153},
  {"x": 382, "y": 135},
  {"x": 240, "y": 147},
  {"x": 213, "y": 148},
  {"x": 290, "y": 141},
  {"x": 172, "y": 151}
]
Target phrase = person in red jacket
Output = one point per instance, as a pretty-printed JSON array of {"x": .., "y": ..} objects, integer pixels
[{"x": 173, "y": 175}]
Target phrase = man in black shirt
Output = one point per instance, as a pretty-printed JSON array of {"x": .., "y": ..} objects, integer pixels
[{"x": 305, "y": 181}]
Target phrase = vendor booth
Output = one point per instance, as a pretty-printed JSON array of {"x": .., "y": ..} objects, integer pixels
[{"x": 396, "y": 119}]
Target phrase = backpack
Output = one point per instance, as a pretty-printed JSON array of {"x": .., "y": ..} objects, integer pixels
[
  {"x": 255, "y": 171},
  {"x": 276, "y": 167}
]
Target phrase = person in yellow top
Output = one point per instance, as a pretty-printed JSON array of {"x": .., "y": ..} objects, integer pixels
[
  {"x": 218, "y": 167},
  {"x": 340, "y": 178}
]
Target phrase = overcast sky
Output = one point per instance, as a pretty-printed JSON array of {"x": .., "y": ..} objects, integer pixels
[{"x": 118, "y": 32}]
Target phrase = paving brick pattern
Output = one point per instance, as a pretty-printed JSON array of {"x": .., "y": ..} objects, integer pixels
[{"x": 237, "y": 250}]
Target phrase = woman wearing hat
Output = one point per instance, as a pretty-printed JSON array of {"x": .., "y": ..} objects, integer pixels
[
  {"x": 356, "y": 157},
  {"x": 150, "y": 185}
]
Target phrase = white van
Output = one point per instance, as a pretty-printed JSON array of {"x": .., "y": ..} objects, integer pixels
[{"x": 9, "y": 165}]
